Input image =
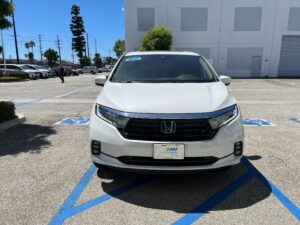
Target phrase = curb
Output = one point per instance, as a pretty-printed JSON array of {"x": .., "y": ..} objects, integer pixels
[{"x": 12, "y": 123}]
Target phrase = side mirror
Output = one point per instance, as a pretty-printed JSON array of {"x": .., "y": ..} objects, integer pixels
[
  {"x": 225, "y": 79},
  {"x": 100, "y": 80}
]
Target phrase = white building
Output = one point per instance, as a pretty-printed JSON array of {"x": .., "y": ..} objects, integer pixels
[{"x": 241, "y": 37}]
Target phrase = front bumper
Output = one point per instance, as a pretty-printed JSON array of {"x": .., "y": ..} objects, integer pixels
[{"x": 114, "y": 145}]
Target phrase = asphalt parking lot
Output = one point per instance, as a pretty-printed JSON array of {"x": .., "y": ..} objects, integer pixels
[{"x": 47, "y": 176}]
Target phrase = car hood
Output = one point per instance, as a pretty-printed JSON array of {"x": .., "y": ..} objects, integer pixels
[{"x": 166, "y": 97}]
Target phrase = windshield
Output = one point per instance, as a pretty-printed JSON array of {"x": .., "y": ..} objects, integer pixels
[
  {"x": 163, "y": 69},
  {"x": 24, "y": 67}
]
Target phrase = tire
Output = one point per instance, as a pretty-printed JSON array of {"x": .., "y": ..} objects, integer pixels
[{"x": 41, "y": 76}]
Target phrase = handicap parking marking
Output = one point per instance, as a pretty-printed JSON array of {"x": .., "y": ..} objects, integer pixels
[
  {"x": 74, "y": 121},
  {"x": 257, "y": 123},
  {"x": 68, "y": 209},
  {"x": 296, "y": 120},
  {"x": 220, "y": 196}
]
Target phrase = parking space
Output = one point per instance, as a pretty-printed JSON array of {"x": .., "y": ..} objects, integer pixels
[{"x": 47, "y": 176}]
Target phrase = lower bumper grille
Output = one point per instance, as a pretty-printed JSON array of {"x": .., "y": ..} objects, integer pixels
[{"x": 148, "y": 161}]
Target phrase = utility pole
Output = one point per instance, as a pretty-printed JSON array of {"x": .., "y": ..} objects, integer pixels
[
  {"x": 87, "y": 45},
  {"x": 58, "y": 46},
  {"x": 41, "y": 49},
  {"x": 73, "y": 57},
  {"x": 3, "y": 52},
  {"x": 96, "y": 50},
  {"x": 109, "y": 52},
  {"x": 15, "y": 35}
]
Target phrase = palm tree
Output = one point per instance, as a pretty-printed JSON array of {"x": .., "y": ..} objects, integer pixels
[
  {"x": 27, "y": 45},
  {"x": 32, "y": 45}
]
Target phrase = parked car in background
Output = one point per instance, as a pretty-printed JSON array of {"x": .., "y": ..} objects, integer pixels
[
  {"x": 44, "y": 72},
  {"x": 11, "y": 72},
  {"x": 89, "y": 69},
  {"x": 107, "y": 68},
  {"x": 31, "y": 74}
]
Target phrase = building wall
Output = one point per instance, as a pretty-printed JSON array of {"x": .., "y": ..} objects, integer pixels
[{"x": 228, "y": 32}]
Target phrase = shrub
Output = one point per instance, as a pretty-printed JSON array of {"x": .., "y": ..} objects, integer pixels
[
  {"x": 157, "y": 38},
  {"x": 9, "y": 79},
  {"x": 7, "y": 111}
]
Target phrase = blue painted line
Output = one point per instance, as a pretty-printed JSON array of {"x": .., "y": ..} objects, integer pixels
[
  {"x": 213, "y": 201},
  {"x": 296, "y": 120},
  {"x": 73, "y": 197},
  {"x": 101, "y": 199},
  {"x": 278, "y": 194}
]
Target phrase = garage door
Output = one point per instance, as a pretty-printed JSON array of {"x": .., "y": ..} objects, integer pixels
[{"x": 289, "y": 64}]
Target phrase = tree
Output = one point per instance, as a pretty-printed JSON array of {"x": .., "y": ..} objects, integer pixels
[
  {"x": 27, "y": 45},
  {"x": 157, "y": 38},
  {"x": 86, "y": 61},
  {"x": 97, "y": 60},
  {"x": 77, "y": 29},
  {"x": 31, "y": 57},
  {"x": 6, "y": 10},
  {"x": 119, "y": 47},
  {"x": 51, "y": 56},
  {"x": 32, "y": 45}
]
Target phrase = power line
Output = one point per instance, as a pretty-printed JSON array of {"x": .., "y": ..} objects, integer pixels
[
  {"x": 58, "y": 46},
  {"x": 87, "y": 44},
  {"x": 41, "y": 49},
  {"x": 96, "y": 50}
]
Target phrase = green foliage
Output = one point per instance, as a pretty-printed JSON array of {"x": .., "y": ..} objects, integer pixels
[
  {"x": 51, "y": 56},
  {"x": 77, "y": 29},
  {"x": 119, "y": 47},
  {"x": 7, "y": 111},
  {"x": 10, "y": 79},
  {"x": 31, "y": 57},
  {"x": 85, "y": 61},
  {"x": 30, "y": 44},
  {"x": 157, "y": 38},
  {"x": 6, "y": 10},
  {"x": 97, "y": 60}
]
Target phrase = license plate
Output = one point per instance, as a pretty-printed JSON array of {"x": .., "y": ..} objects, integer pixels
[{"x": 168, "y": 151}]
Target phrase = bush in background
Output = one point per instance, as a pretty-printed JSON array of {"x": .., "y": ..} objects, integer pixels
[
  {"x": 156, "y": 39},
  {"x": 7, "y": 111}
]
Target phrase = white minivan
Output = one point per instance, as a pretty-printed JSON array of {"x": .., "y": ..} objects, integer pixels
[{"x": 166, "y": 111}]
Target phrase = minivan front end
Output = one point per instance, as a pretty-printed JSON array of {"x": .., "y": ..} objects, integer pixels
[
  {"x": 151, "y": 141},
  {"x": 165, "y": 111}
]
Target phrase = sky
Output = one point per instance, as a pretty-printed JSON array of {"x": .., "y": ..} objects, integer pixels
[{"x": 103, "y": 19}]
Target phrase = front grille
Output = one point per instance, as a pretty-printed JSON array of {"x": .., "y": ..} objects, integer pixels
[
  {"x": 186, "y": 130},
  {"x": 148, "y": 161}
]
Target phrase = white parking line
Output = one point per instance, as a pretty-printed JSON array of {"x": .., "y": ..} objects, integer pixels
[{"x": 64, "y": 95}]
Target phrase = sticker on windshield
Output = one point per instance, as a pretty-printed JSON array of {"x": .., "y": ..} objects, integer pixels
[{"x": 133, "y": 59}]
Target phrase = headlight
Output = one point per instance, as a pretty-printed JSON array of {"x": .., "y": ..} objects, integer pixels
[
  {"x": 111, "y": 116},
  {"x": 221, "y": 120}
]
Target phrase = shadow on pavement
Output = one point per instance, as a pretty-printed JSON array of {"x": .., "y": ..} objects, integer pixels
[
  {"x": 183, "y": 193},
  {"x": 25, "y": 138}
]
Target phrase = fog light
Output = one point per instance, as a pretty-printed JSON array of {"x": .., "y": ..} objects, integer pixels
[
  {"x": 96, "y": 147},
  {"x": 238, "y": 148}
]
